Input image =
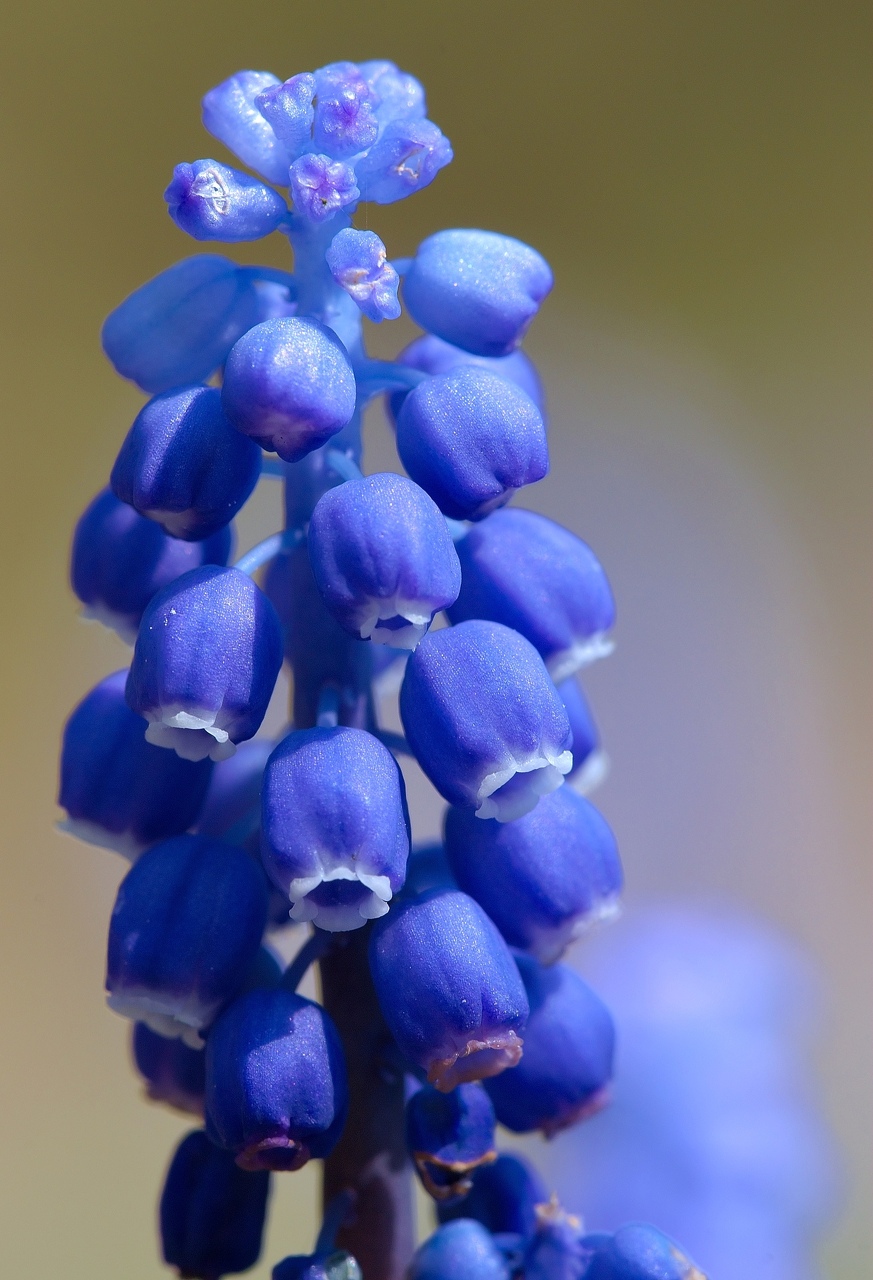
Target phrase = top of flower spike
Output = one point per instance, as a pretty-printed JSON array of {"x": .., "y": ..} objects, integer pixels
[{"x": 370, "y": 115}]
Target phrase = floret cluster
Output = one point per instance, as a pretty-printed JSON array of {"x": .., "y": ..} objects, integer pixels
[{"x": 257, "y": 372}]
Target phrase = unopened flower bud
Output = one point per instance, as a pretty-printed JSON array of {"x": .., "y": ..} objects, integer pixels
[
  {"x": 174, "y": 1073},
  {"x": 431, "y": 355},
  {"x": 407, "y": 157},
  {"x": 212, "y": 201},
  {"x": 358, "y": 263},
  {"x": 476, "y": 289},
  {"x": 230, "y": 114},
  {"x": 459, "y": 1249}
]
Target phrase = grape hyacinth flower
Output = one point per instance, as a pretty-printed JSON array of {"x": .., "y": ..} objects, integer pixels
[
  {"x": 335, "y": 829},
  {"x": 212, "y": 1213},
  {"x": 383, "y": 559},
  {"x": 205, "y": 663},
  {"x": 119, "y": 790},
  {"x": 544, "y": 878},
  {"x": 484, "y": 720},
  {"x": 428, "y": 986},
  {"x": 120, "y": 560},
  {"x": 449, "y": 1137},
  {"x": 187, "y": 922},
  {"x": 183, "y": 465},
  {"x": 449, "y": 988}
]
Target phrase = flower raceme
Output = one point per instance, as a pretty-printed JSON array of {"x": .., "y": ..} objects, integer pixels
[{"x": 447, "y": 967}]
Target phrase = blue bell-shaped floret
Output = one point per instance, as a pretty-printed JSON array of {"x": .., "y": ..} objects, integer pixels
[
  {"x": 407, "y": 157},
  {"x": 179, "y": 327},
  {"x": 334, "y": 824},
  {"x": 431, "y": 355},
  {"x": 212, "y": 1213},
  {"x": 289, "y": 385},
  {"x": 504, "y": 1198},
  {"x": 205, "y": 664},
  {"x": 174, "y": 1073},
  {"x": 230, "y": 114},
  {"x": 335, "y": 1265},
  {"x": 484, "y": 720},
  {"x": 568, "y": 1051},
  {"x": 399, "y": 96},
  {"x": 558, "y": 1249},
  {"x": 470, "y": 439},
  {"x": 186, "y": 925},
  {"x": 120, "y": 560},
  {"x": 448, "y": 987},
  {"x": 589, "y": 762},
  {"x": 476, "y": 289},
  {"x": 529, "y": 573},
  {"x": 383, "y": 558},
  {"x": 183, "y": 465},
  {"x": 461, "y": 1250},
  {"x": 276, "y": 1090},
  {"x": 211, "y": 201},
  {"x": 450, "y": 1136},
  {"x": 543, "y": 879},
  {"x": 232, "y": 808},
  {"x": 119, "y": 791},
  {"x": 289, "y": 109},
  {"x": 638, "y": 1251}
]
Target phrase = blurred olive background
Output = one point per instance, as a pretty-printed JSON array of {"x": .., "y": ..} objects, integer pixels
[{"x": 697, "y": 174}]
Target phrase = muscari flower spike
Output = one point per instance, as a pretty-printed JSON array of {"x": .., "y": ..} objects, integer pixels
[
  {"x": 523, "y": 570},
  {"x": 120, "y": 560},
  {"x": 187, "y": 923},
  {"x": 543, "y": 879},
  {"x": 212, "y": 1213},
  {"x": 383, "y": 558},
  {"x": 206, "y": 660},
  {"x": 276, "y": 1088},
  {"x": 450, "y": 1136},
  {"x": 448, "y": 987},
  {"x": 566, "y": 1068},
  {"x": 119, "y": 790},
  {"x": 484, "y": 720},
  {"x": 471, "y": 439},
  {"x": 335, "y": 827},
  {"x": 183, "y": 465}
]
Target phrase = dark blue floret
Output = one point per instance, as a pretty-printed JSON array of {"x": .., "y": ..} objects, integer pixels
[
  {"x": 183, "y": 465},
  {"x": 504, "y": 1198},
  {"x": 335, "y": 827},
  {"x": 476, "y": 289},
  {"x": 212, "y": 1213},
  {"x": 205, "y": 663},
  {"x": 118, "y": 790},
  {"x": 120, "y": 560},
  {"x": 383, "y": 558},
  {"x": 211, "y": 201},
  {"x": 179, "y": 327},
  {"x": 187, "y": 923},
  {"x": 449, "y": 1136},
  {"x": 471, "y": 439},
  {"x": 529, "y": 573},
  {"x": 542, "y": 879},
  {"x": 484, "y": 720},
  {"x": 173, "y": 1072},
  {"x": 462, "y": 1249},
  {"x": 568, "y": 1052},
  {"x": 288, "y": 384},
  {"x": 276, "y": 1091},
  {"x": 449, "y": 988},
  {"x": 640, "y": 1252}
]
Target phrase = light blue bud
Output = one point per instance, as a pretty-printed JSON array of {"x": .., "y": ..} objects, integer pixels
[
  {"x": 211, "y": 201},
  {"x": 230, "y": 114}
]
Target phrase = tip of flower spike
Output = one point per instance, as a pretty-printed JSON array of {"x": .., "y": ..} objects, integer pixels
[{"x": 478, "y": 1060}]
